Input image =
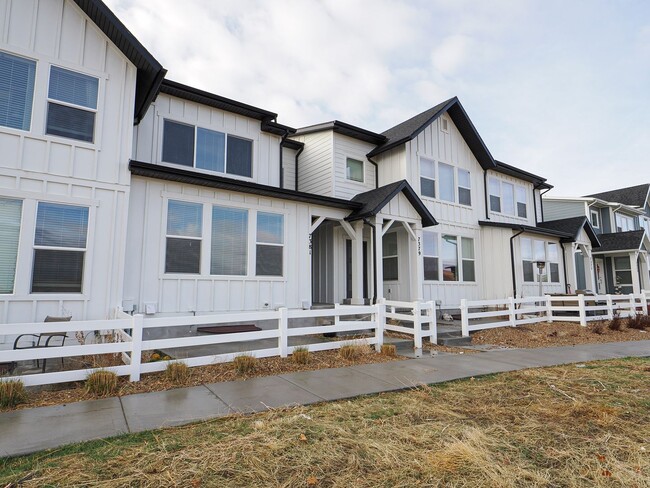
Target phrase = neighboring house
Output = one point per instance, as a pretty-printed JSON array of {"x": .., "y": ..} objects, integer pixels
[{"x": 621, "y": 220}]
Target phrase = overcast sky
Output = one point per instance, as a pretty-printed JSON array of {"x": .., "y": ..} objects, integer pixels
[{"x": 559, "y": 88}]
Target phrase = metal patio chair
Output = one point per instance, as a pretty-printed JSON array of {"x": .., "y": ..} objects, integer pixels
[{"x": 44, "y": 339}]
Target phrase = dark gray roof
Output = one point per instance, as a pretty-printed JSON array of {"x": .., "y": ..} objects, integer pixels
[
  {"x": 150, "y": 71},
  {"x": 410, "y": 128},
  {"x": 635, "y": 196},
  {"x": 620, "y": 241},
  {"x": 507, "y": 169},
  {"x": 573, "y": 226},
  {"x": 161, "y": 172},
  {"x": 564, "y": 236},
  {"x": 374, "y": 200},
  {"x": 346, "y": 130}
]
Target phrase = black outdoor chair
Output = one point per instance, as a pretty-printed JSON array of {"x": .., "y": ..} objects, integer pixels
[{"x": 44, "y": 339}]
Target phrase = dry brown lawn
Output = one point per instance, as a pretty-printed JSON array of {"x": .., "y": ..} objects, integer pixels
[{"x": 572, "y": 426}]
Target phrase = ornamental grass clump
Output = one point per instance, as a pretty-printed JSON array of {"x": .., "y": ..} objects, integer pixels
[
  {"x": 177, "y": 372},
  {"x": 101, "y": 383},
  {"x": 389, "y": 350},
  {"x": 300, "y": 355},
  {"x": 245, "y": 363},
  {"x": 350, "y": 351},
  {"x": 12, "y": 393}
]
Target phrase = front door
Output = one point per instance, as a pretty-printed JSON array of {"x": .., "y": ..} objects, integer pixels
[{"x": 601, "y": 287}]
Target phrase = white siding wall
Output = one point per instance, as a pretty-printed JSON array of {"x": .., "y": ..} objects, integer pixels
[
  {"x": 563, "y": 209},
  {"x": 37, "y": 167},
  {"x": 289, "y": 167},
  {"x": 496, "y": 268},
  {"x": 392, "y": 166},
  {"x": 315, "y": 170},
  {"x": 347, "y": 147},
  {"x": 149, "y": 134}
]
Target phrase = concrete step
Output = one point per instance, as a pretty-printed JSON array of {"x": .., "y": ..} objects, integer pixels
[{"x": 454, "y": 339}]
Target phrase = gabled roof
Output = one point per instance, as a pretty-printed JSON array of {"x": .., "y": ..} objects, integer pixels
[
  {"x": 150, "y": 71},
  {"x": 373, "y": 201},
  {"x": 635, "y": 196},
  {"x": 346, "y": 130},
  {"x": 409, "y": 129},
  {"x": 506, "y": 169},
  {"x": 621, "y": 241},
  {"x": 564, "y": 236},
  {"x": 573, "y": 226}
]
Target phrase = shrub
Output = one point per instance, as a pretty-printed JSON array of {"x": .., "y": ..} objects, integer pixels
[
  {"x": 177, "y": 372},
  {"x": 389, "y": 350},
  {"x": 349, "y": 351},
  {"x": 598, "y": 328},
  {"x": 639, "y": 322},
  {"x": 12, "y": 393},
  {"x": 244, "y": 363},
  {"x": 101, "y": 383},
  {"x": 301, "y": 355},
  {"x": 616, "y": 323}
]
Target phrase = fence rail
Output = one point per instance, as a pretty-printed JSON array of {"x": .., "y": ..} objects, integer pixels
[{"x": 579, "y": 308}]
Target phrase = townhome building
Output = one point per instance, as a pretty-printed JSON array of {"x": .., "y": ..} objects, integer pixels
[{"x": 621, "y": 220}]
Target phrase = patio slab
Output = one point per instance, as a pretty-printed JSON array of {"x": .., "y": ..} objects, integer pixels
[
  {"x": 260, "y": 394},
  {"x": 146, "y": 411},
  {"x": 35, "y": 429}
]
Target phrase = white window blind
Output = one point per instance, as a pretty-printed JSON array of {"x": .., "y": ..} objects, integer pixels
[
  {"x": 229, "y": 246},
  {"x": 269, "y": 249},
  {"x": 16, "y": 91},
  {"x": 10, "y": 213}
]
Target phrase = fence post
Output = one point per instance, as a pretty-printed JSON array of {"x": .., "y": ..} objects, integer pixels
[
  {"x": 582, "y": 311},
  {"x": 464, "y": 319},
  {"x": 433, "y": 323},
  {"x": 417, "y": 328},
  {"x": 549, "y": 308},
  {"x": 610, "y": 307},
  {"x": 644, "y": 302},
  {"x": 511, "y": 310},
  {"x": 380, "y": 322},
  {"x": 136, "y": 346},
  {"x": 337, "y": 318},
  {"x": 283, "y": 327},
  {"x": 632, "y": 305}
]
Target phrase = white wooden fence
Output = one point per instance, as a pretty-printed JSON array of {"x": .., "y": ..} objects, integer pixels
[
  {"x": 519, "y": 311},
  {"x": 369, "y": 321},
  {"x": 412, "y": 312}
]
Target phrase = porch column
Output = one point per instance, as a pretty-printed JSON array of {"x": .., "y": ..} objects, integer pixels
[
  {"x": 571, "y": 278},
  {"x": 357, "y": 264},
  {"x": 379, "y": 257},
  {"x": 417, "y": 271},
  {"x": 645, "y": 273},
  {"x": 634, "y": 266},
  {"x": 590, "y": 282}
]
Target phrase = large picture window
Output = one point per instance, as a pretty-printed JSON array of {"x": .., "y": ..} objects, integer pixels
[
  {"x": 452, "y": 250},
  {"x": 534, "y": 250},
  {"x": 270, "y": 244},
  {"x": 390, "y": 260},
  {"x": 16, "y": 91},
  {"x": 206, "y": 149},
  {"x": 59, "y": 248},
  {"x": 10, "y": 215},
  {"x": 184, "y": 234},
  {"x": 72, "y": 104},
  {"x": 431, "y": 256},
  {"x": 508, "y": 198},
  {"x": 229, "y": 246}
]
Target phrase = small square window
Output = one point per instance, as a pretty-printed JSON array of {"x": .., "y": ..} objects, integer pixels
[{"x": 354, "y": 169}]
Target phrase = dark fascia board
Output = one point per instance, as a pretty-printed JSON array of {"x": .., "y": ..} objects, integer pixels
[
  {"x": 564, "y": 237},
  {"x": 346, "y": 130},
  {"x": 192, "y": 94},
  {"x": 427, "y": 219},
  {"x": 160, "y": 172},
  {"x": 510, "y": 170},
  {"x": 150, "y": 71},
  {"x": 291, "y": 144}
]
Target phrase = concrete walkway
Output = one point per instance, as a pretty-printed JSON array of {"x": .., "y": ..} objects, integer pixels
[{"x": 35, "y": 429}]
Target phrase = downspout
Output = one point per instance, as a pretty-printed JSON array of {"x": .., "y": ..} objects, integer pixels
[
  {"x": 298, "y": 154},
  {"x": 512, "y": 262},
  {"x": 284, "y": 138},
  {"x": 376, "y": 172},
  {"x": 374, "y": 259},
  {"x": 566, "y": 283},
  {"x": 485, "y": 188},
  {"x": 536, "y": 187},
  {"x": 541, "y": 201}
]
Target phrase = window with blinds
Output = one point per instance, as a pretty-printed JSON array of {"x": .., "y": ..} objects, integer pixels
[
  {"x": 229, "y": 246},
  {"x": 184, "y": 235},
  {"x": 59, "y": 248},
  {"x": 10, "y": 213},
  {"x": 16, "y": 91},
  {"x": 72, "y": 104},
  {"x": 270, "y": 244}
]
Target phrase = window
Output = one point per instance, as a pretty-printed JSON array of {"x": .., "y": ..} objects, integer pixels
[
  {"x": 59, "y": 248},
  {"x": 508, "y": 198},
  {"x": 449, "y": 258},
  {"x": 495, "y": 195},
  {"x": 431, "y": 256},
  {"x": 520, "y": 193},
  {"x": 72, "y": 104},
  {"x": 229, "y": 244},
  {"x": 536, "y": 250},
  {"x": 390, "y": 263},
  {"x": 16, "y": 91},
  {"x": 467, "y": 255},
  {"x": 427, "y": 178},
  {"x": 623, "y": 274},
  {"x": 446, "y": 182},
  {"x": 594, "y": 219},
  {"x": 270, "y": 240},
  {"x": 553, "y": 258},
  {"x": 184, "y": 233},
  {"x": 10, "y": 213},
  {"x": 464, "y": 187},
  {"x": 444, "y": 125},
  {"x": 624, "y": 223},
  {"x": 645, "y": 224},
  {"x": 206, "y": 149},
  {"x": 527, "y": 259},
  {"x": 354, "y": 169}
]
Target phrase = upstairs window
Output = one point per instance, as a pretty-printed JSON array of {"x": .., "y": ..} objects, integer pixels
[
  {"x": 495, "y": 195},
  {"x": 446, "y": 182},
  {"x": 427, "y": 178},
  {"x": 206, "y": 149},
  {"x": 10, "y": 214},
  {"x": 624, "y": 223},
  {"x": 520, "y": 194},
  {"x": 595, "y": 221},
  {"x": 507, "y": 198},
  {"x": 59, "y": 248},
  {"x": 464, "y": 187},
  {"x": 184, "y": 234},
  {"x": 354, "y": 169},
  {"x": 16, "y": 91},
  {"x": 270, "y": 244},
  {"x": 72, "y": 104}
]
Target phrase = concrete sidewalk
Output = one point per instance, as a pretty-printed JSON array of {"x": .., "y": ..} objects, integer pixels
[{"x": 35, "y": 429}]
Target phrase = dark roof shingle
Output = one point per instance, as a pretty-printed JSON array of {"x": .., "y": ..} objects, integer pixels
[
  {"x": 635, "y": 196},
  {"x": 620, "y": 241},
  {"x": 572, "y": 226}
]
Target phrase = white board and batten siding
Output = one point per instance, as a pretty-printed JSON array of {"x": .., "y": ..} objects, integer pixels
[
  {"x": 149, "y": 135},
  {"x": 38, "y": 167},
  {"x": 348, "y": 147},
  {"x": 289, "y": 168},
  {"x": 315, "y": 171}
]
